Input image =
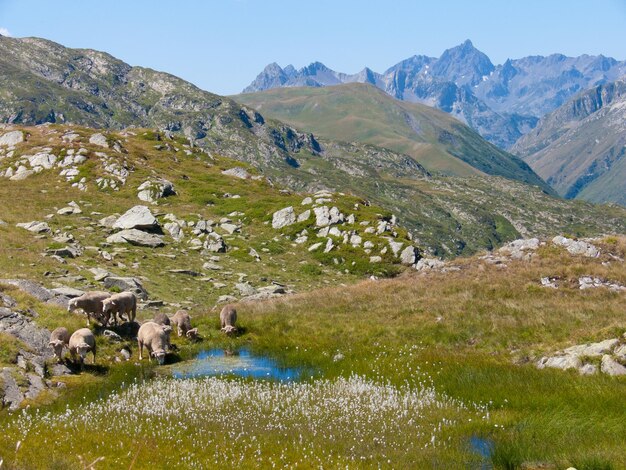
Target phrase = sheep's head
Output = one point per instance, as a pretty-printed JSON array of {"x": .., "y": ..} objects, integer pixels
[
  {"x": 192, "y": 334},
  {"x": 159, "y": 355},
  {"x": 108, "y": 305},
  {"x": 229, "y": 329},
  {"x": 71, "y": 305},
  {"x": 167, "y": 329},
  {"x": 82, "y": 349},
  {"x": 57, "y": 346}
]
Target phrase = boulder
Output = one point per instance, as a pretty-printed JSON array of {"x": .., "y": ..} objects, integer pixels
[
  {"x": 307, "y": 201},
  {"x": 593, "y": 349},
  {"x": 229, "y": 228},
  {"x": 237, "y": 172},
  {"x": 136, "y": 237},
  {"x": 35, "y": 226},
  {"x": 12, "y": 138},
  {"x": 226, "y": 299},
  {"x": 304, "y": 216},
  {"x": 375, "y": 259},
  {"x": 130, "y": 284},
  {"x": 560, "y": 362},
  {"x": 12, "y": 395},
  {"x": 283, "y": 218},
  {"x": 152, "y": 190},
  {"x": 395, "y": 246},
  {"x": 315, "y": 246},
  {"x": 174, "y": 230},
  {"x": 577, "y": 247},
  {"x": 611, "y": 367},
  {"x": 245, "y": 289},
  {"x": 70, "y": 251},
  {"x": 138, "y": 217},
  {"x": 409, "y": 256},
  {"x": 31, "y": 288},
  {"x": 68, "y": 292},
  {"x": 215, "y": 243},
  {"x": 99, "y": 140},
  {"x": 588, "y": 369}
]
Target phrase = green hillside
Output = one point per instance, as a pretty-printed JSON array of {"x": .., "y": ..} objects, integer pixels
[{"x": 363, "y": 113}]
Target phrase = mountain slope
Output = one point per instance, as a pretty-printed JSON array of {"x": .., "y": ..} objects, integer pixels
[
  {"x": 363, "y": 113},
  {"x": 581, "y": 147},
  {"x": 446, "y": 216},
  {"x": 501, "y": 102}
]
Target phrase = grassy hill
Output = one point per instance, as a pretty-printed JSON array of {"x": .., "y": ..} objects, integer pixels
[{"x": 363, "y": 113}]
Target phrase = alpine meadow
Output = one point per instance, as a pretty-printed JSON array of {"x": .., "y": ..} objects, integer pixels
[{"x": 412, "y": 268}]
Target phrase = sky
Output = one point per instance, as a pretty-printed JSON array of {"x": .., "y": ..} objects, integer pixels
[{"x": 221, "y": 45}]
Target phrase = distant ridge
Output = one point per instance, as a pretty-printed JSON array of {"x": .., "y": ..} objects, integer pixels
[{"x": 501, "y": 102}]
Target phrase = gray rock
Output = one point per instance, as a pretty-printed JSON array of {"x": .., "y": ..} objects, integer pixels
[
  {"x": 59, "y": 369},
  {"x": 13, "y": 396},
  {"x": 375, "y": 259},
  {"x": 593, "y": 349},
  {"x": 99, "y": 139},
  {"x": 245, "y": 289},
  {"x": 560, "y": 362},
  {"x": 237, "y": 172},
  {"x": 174, "y": 230},
  {"x": 32, "y": 288},
  {"x": 426, "y": 264},
  {"x": 611, "y": 367},
  {"x": 99, "y": 274},
  {"x": 130, "y": 284},
  {"x": 307, "y": 201},
  {"x": 136, "y": 237},
  {"x": 304, "y": 216},
  {"x": 283, "y": 218},
  {"x": 252, "y": 252},
  {"x": 577, "y": 247},
  {"x": 588, "y": 369},
  {"x": 395, "y": 246},
  {"x": 226, "y": 299},
  {"x": 620, "y": 352},
  {"x": 315, "y": 246},
  {"x": 211, "y": 266},
  {"x": 125, "y": 353},
  {"x": 35, "y": 226},
  {"x": 409, "y": 256},
  {"x": 108, "y": 221},
  {"x": 229, "y": 228},
  {"x": 355, "y": 240},
  {"x": 68, "y": 292},
  {"x": 138, "y": 217},
  {"x": 70, "y": 251},
  {"x": 152, "y": 190},
  {"x": 10, "y": 139},
  {"x": 22, "y": 328},
  {"x": 185, "y": 272},
  {"x": 35, "y": 386},
  {"x": 329, "y": 246}
]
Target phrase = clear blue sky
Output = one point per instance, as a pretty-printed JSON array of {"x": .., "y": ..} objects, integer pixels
[{"x": 221, "y": 45}]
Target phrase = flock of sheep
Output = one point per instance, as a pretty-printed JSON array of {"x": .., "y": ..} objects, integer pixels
[{"x": 109, "y": 308}]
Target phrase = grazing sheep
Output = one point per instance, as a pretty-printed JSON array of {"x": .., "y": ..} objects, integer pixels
[
  {"x": 192, "y": 334},
  {"x": 183, "y": 322},
  {"x": 228, "y": 318},
  {"x": 59, "y": 338},
  {"x": 81, "y": 342},
  {"x": 91, "y": 304},
  {"x": 118, "y": 304},
  {"x": 156, "y": 338},
  {"x": 161, "y": 319}
]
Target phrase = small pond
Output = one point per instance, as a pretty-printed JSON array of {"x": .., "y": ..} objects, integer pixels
[{"x": 241, "y": 363}]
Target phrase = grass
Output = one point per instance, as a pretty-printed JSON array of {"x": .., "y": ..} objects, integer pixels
[{"x": 466, "y": 338}]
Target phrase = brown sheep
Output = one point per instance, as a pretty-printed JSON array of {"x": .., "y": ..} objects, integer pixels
[
  {"x": 161, "y": 319},
  {"x": 228, "y": 318},
  {"x": 59, "y": 339},
  {"x": 81, "y": 342},
  {"x": 118, "y": 304},
  {"x": 91, "y": 304},
  {"x": 156, "y": 338},
  {"x": 182, "y": 320}
]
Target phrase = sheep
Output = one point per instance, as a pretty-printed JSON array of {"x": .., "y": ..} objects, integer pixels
[
  {"x": 182, "y": 320},
  {"x": 228, "y": 318},
  {"x": 161, "y": 319},
  {"x": 91, "y": 304},
  {"x": 81, "y": 342},
  {"x": 156, "y": 339},
  {"x": 118, "y": 304},
  {"x": 59, "y": 338}
]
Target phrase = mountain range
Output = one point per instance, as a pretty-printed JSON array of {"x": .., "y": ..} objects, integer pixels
[{"x": 501, "y": 102}]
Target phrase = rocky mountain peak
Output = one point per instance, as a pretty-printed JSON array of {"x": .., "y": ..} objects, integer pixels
[{"x": 463, "y": 65}]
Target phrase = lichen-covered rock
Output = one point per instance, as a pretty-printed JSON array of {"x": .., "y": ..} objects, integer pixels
[
  {"x": 99, "y": 140},
  {"x": 409, "y": 256},
  {"x": 611, "y": 367},
  {"x": 10, "y": 139},
  {"x": 153, "y": 190},
  {"x": 35, "y": 226},
  {"x": 130, "y": 284},
  {"x": 138, "y": 217},
  {"x": 565, "y": 362},
  {"x": 137, "y": 238},
  {"x": 577, "y": 247},
  {"x": 283, "y": 218}
]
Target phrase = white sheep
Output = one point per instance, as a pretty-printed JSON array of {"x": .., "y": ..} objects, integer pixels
[
  {"x": 161, "y": 319},
  {"x": 59, "y": 339},
  {"x": 156, "y": 338},
  {"x": 91, "y": 304},
  {"x": 118, "y": 304},
  {"x": 228, "y": 318},
  {"x": 182, "y": 320},
  {"x": 81, "y": 342}
]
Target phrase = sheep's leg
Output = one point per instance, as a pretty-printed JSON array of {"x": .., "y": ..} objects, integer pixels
[
  {"x": 140, "y": 345},
  {"x": 134, "y": 311}
]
